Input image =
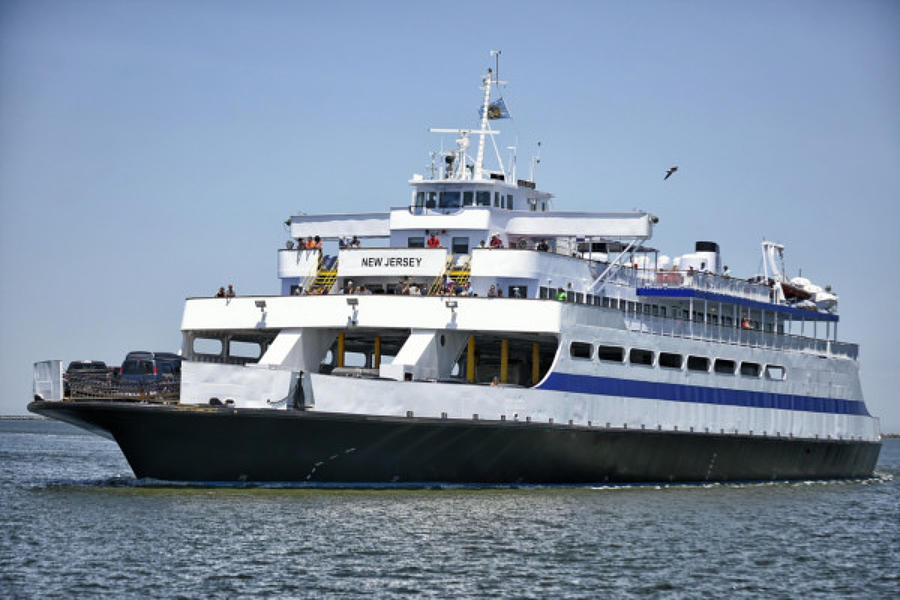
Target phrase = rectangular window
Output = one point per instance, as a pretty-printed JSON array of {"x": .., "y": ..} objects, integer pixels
[
  {"x": 483, "y": 198},
  {"x": 570, "y": 296},
  {"x": 662, "y": 311},
  {"x": 545, "y": 292},
  {"x": 698, "y": 363},
  {"x": 724, "y": 366},
  {"x": 420, "y": 199},
  {"x": 646, "y": 309},
  {"x": 579, "y": 298},
  {"x": 640, "y": 357},
  {"x": 415, "y": 242},
  {"x": 460, "y": 245},
  {"x": 580, "y": 350},
  {"x": 468, "y": 198},
  {"x": 509, "y": 202},
  {"x": 611, "y": 353},
  {"x": 750, "y": 369},
  {"x": 450, "y": 200},
  {"x": 497, "y": 199},
  {"x": 430, "y": 199},
  {"x": 210, "y": 346},
  {"x": 775, "y": 372},
  {"x": 250, "y": 350},
  {"x": 588, "y": 299},
  {"x": 630, "y": 306},
  {"x": 518, "y": 291},
  {"x": 655, "y": 310},
  {"x": 606, "y": 302},
  {"x": 670, "y": 360}
]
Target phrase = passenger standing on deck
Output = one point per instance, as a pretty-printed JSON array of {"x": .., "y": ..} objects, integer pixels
[
  {"x": 355, "y": 243},
  {"x": 492, "y": 292},
  {"x": 433, "y": 241},
  {"x": 220, "y": 293},
  {"x": 229, "y": 293}
]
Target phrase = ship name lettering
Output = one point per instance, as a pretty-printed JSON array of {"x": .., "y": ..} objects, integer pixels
[{"x": 391, "y": 261}]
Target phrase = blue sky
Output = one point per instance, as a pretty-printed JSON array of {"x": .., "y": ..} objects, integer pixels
[{"x": 150, "y": 151}]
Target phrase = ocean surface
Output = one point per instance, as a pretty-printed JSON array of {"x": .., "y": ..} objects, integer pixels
[{"x": 75, "y": 523}]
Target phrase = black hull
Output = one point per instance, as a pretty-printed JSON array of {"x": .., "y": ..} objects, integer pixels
[{"x": 212, "y": 444}]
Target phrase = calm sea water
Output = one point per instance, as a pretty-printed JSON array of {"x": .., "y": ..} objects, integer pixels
[{"x": 75, "y": 522}]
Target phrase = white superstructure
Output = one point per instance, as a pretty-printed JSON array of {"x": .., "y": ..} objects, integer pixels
[{"x": 591, "y": 327}]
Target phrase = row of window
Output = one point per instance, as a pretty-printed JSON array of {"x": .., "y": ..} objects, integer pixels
[
  {"x": 459, "y": 245},
  {"x": 457, "y": 199},
  {"x": 673, "y": 360}
]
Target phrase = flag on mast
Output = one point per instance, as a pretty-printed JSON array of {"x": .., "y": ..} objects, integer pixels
[{"x": 497, "y": 110}]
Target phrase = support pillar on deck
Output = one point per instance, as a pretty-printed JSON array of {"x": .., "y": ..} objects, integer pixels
[
  {"x": 504, "y": 360},
  {"x": 376, "y": 360},
  {"x": 535, "y": 363},
  {"x": 340, "y": 349},
  {"x": 470, "y": 359}
]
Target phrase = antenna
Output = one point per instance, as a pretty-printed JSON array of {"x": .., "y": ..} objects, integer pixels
[
  {"x": 512, "y": 173},
  {"x": 496, "y": 55},
  {"x": 535, "y": 160}
]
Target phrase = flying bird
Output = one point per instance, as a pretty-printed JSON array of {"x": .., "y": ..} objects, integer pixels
[{"x": 669, "y": 172}]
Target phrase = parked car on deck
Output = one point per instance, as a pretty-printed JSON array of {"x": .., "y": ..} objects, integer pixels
[
  {"x": 148, "y": 376},
  {"x": 84, "y": 373}
]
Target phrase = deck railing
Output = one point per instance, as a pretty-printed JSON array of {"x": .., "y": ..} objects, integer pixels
[
  {"x": 696, "y": 280},
  {"x": 698, "y": 330}
]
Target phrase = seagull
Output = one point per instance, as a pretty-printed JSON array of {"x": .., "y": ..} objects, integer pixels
[{"x": 669, "y": 172}]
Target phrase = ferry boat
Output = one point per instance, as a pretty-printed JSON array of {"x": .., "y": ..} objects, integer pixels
[{"x": 478, "y": 335}]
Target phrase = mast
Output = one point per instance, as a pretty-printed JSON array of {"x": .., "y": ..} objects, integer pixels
[{"x": 479, "y": 159}]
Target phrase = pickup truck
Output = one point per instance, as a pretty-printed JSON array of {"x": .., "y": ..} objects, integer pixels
[{"x": 81, "y": 375}]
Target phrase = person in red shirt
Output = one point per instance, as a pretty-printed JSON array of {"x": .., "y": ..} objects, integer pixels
[{"x": 434, "y": 242}]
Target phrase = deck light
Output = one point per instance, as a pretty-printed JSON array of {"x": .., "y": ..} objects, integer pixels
[
  {"x": 261, "y": 305},
  {"x": 451, "y": 304}
]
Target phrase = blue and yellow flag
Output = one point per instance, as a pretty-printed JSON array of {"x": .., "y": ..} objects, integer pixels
[{"x": 497, "y": 110}]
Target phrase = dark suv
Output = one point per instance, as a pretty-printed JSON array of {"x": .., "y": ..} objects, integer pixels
[{"x": 150, "y": 375}]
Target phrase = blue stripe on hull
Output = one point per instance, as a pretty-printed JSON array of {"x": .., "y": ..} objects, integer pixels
[{"x": 675, "y": 392}]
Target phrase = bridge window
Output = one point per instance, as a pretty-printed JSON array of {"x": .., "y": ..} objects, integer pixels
[
  {"x": 724, "y": 366},
  {"x": 611, "y": 353},
  {"x": 698, "y": 363},
  {"x": 509, "y": 202},
  {"x": 670, "y": 360},
  {"x": 750, "y": 369},
  {"x": 483, "y": 198},
  {"x": 430, "y": 199},
  {"x": 468, "y": 198},
  {"x": 450, "y": 200},
  {"x": 580, "y": 350},
  {"x": 640, "y": 357},
  {"x": 497, "y": 199},
  {"x": 420, "y": 199},
  {"x": 460, "y": 245}
]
